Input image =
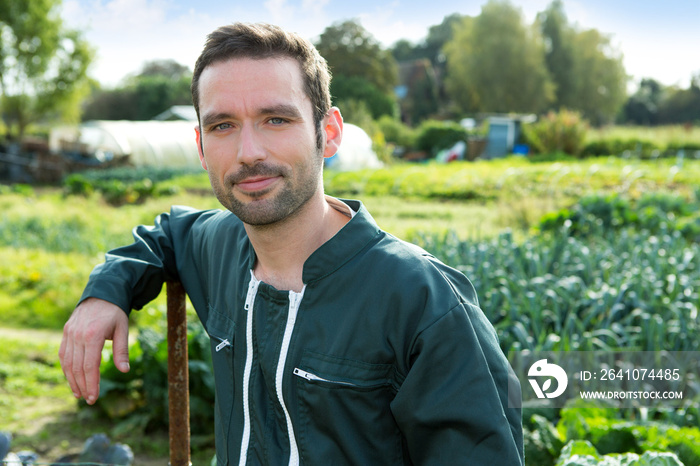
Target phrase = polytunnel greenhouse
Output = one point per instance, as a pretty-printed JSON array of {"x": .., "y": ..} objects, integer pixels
[{"x": 139, "y": 143}]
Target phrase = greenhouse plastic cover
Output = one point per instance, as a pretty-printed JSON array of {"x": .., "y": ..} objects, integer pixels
[{"x": 147, "y": 143}]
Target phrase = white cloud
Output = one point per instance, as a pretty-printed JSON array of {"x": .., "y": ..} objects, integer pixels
[
  {"x": 313, "y": 5},
  {"x": 279, "y": 10}
]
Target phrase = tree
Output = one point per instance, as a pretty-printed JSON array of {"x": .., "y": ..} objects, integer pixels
[
  {"x": 600, "y": 88},
  {"x": 165, "y": 68},
  {"x": 403, "y": 50},
  {"x": 420, "y": 98},
  {"x": 438, "y": 36},
  {"x": 588, "y": 73},
  {"x": 642, "y": 108},
  {"x": 158, "y": 86},
  {"x": 346, "y": 88},
  {"x": 559, "y": 53},
  {"x": 495, "y": 63},
  {"x": 431, "y": 47},
  {"x": 422, "y": 70},
  {"x": 43, "y": 66},
  {"x": 352, "y": 51},
  {"x": 110, "y": 104},
  {"x": 681, "y": 105},
  {"x": 155, "y": 94}
]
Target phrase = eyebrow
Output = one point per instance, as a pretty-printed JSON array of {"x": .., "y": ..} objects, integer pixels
[
  {"x": 211, "y": 118},
  {"x": 283, "y": 110}
]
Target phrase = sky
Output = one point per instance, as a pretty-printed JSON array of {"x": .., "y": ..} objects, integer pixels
[{"x": 659, "y": 40}]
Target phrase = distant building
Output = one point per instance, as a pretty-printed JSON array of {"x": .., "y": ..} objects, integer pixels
[
  {"x": 178, "y": 112},
  {"x": 504, "y": 134}
]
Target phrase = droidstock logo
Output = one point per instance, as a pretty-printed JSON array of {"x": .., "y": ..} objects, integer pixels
[{"x": 541, "y": 369}]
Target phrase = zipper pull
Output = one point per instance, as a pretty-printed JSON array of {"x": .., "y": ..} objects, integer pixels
[
  {"x": 304, "y": 374},
  {"x": 315, "y": 378},
  {"x": 252, "y": 291},
  {"x": 222, "y": 345}
]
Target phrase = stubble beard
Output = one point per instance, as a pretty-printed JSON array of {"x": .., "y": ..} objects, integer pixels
[{"x": 262, "y": 208}]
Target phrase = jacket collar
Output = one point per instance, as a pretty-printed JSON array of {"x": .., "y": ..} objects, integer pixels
[{"x": 341, "y": 248}]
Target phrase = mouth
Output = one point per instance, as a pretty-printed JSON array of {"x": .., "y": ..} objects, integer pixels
[
  {"x": 256, "y": 184},
  {"x": 255, "y": 181}
]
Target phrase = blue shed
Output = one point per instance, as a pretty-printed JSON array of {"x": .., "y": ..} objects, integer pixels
[{"x": 504, "y": 134}]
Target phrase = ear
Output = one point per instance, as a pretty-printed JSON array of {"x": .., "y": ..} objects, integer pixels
[
  {"x": 200, "y": 149},
  {"x": 333, "y": 126}
]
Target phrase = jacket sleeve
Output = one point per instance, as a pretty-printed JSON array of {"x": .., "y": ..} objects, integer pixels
[
  {"x": 453, "y": 404},
  {"x": 133, "y": 275}
]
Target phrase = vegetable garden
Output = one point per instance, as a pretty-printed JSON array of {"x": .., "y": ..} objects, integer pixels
[{"x": 566, "y": 255}]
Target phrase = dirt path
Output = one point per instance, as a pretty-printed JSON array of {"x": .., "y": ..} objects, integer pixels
[{"x": 52, "y": 336}]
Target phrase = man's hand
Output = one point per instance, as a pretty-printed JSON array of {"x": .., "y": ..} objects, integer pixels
[{"x": 93, "y": 322}]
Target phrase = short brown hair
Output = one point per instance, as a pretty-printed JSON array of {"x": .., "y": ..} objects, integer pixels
[{"x": 260, "y": 41}]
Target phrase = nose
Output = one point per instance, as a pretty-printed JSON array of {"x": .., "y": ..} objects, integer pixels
[{"x": 251, "y": 149}]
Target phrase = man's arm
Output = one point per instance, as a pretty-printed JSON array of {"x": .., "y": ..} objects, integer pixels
[
  {"x": 452, "y": 407},
  {"x": 92, "y": 323},
  {"x": 130, "y": 277}
]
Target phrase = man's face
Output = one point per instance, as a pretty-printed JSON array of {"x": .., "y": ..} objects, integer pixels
[{"x": 257, "y": 138}]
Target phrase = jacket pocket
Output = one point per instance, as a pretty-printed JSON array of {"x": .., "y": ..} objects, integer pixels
[
  {"x": 221, "y": 330},
  {"x": 345, "y": 411},
  {"x": 334, "y": 372}
]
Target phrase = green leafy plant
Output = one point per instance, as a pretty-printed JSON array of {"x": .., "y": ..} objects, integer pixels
[
  {"x": 138, "y": 399},
  {"x": 582, "y": 453},
  {"x": 121, "y": 186},
  {"x": 563, "y": 131},
  {"x": 434, "y": 136},
  {"x": 631, "y": 147},
  {"x": 592, "y": 434},
  {"x": 543, "y": 443},
  {"x": 595, "y": 430},
  {"x": 619, "y": 289},
  {"x": 396, "y": 132},
  {"x": 656, "y": 213}
]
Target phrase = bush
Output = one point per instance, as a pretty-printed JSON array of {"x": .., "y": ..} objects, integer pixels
[
  {"x": 396, "y": 132},
  {"x": 121, "y": 186},
  {"x": 631, "y": 147},
  {"x": 686, "y": 146},
  {"x": 563, "y": 131},
  {"x": 434, "y": 136}
]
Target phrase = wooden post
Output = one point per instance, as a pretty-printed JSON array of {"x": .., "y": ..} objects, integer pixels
[{"x": 178, "y": 377}]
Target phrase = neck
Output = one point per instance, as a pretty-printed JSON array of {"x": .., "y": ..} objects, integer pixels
[{"x": 282, "y": 248}]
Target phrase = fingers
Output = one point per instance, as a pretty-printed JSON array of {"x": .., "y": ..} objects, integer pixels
[
  {"x": 88, "y": 378},
  {"x": 65, "y": 354},
  {"x": 84, "y": 335},
  {"x": 120, "y": 345},
  {"x": 81, "y": 354}
]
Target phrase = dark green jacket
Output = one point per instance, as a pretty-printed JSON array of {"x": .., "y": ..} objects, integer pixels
[{"x": 383, "y": 358}]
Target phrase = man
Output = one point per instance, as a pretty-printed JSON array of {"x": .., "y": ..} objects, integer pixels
[{"x": 332, "y": 341}]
